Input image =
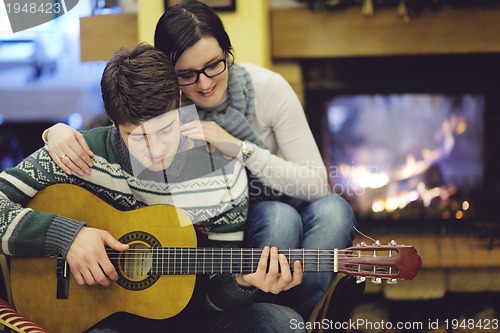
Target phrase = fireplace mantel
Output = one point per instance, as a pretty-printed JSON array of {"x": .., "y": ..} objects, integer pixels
[{"x": 299, "y": 33}]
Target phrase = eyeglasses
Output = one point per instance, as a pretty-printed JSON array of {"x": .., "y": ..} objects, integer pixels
[{"x": 191, "y": 77}]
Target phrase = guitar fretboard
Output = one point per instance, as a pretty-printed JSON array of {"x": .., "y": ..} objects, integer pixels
[{"x": 174, "y": 261}]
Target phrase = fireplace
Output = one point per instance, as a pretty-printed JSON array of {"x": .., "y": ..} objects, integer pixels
[{"x": 409, "y": 140}]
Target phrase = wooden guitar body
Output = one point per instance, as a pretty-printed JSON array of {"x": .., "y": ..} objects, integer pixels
[{"x": 33, "y": 280}]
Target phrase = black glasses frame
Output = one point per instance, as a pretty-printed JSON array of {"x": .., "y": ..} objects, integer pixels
[{"x": 202, "y": 71}]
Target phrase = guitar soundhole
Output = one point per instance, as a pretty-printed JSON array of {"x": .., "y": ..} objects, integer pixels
[{"x": 134, "y": 265}]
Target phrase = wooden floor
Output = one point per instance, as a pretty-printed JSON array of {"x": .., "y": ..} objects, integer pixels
[{"x": 447, "y": 250}]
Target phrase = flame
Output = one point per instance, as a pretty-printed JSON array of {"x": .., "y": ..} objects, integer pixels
[
  {"x": 413, "y": 167},
  {"x": 364, "y": 177}
]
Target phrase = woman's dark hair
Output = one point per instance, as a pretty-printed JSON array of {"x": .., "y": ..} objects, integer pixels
[{"x": 184, "y": 24}]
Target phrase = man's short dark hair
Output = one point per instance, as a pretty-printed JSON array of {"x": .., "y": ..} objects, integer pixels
[{"x": 138, "y": 85}]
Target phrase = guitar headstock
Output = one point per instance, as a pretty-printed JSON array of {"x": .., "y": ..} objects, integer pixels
[{"x": 391, "y": 262}]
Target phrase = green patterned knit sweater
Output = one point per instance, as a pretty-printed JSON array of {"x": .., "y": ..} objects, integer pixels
[{"x": 208, "y": 187}]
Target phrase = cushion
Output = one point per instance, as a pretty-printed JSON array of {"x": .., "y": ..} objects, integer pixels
[{"x": 10, "y": 318}]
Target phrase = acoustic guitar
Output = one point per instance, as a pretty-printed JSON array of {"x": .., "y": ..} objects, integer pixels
[{"x": 158, "y": 272}]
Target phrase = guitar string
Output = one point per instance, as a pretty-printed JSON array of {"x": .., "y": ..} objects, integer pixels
[
  {"x": 227, "y": 269},
  {"x": 184, "y": 262},
  {"x": 247, "y": 251},
  {"x": 195, "y": 260},
  {"x": 251, "y": 254},
  {"x": 236, "y": 258},
  {"x": 238, "y": 254},
  {"x": 253, "y": 267},
  {"x": 324, "y": 259},
  {"x": 220, "y": 259},
  {"x": 256, "y": 256}
]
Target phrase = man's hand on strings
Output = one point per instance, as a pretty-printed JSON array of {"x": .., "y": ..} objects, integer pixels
[{"x": 88, "y": 260}]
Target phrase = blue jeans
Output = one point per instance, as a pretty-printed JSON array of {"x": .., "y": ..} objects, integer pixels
[
  {"x": 254, "y": 318},
  {"x": 327, "y": 223}
]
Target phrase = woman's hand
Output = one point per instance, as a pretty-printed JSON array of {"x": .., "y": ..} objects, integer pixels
[
  {"x": 68, "y": 149},
  {"x": 88, "y": 260},
  {"x": 275, "y": 277},
  {"x": 212, "y": 133}
]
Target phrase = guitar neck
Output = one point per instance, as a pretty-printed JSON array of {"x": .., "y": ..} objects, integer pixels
[{"x": 175, "y": 260}]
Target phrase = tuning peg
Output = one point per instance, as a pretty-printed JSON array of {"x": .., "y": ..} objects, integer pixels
[
  {"x": 377, "y": 243},
  {"x": 393, "y": 243},
  {"x": 360, "y": 279},
  {"x": 392, "y": 281},
  {"x": 362, "y": 244},
  {"x": 377, "y": 280}
]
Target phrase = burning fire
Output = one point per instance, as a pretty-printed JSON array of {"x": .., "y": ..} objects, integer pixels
[{"x": 387, "y": 194}]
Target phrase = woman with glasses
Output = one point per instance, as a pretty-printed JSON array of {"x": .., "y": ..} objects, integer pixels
[{"x": 256, "y": 109}]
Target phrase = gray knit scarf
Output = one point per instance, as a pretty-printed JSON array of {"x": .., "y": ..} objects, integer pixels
[{"x": 237, "y": 117}]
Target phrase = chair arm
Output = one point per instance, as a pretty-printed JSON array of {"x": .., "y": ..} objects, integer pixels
[{"x": 13, "y": 320}]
